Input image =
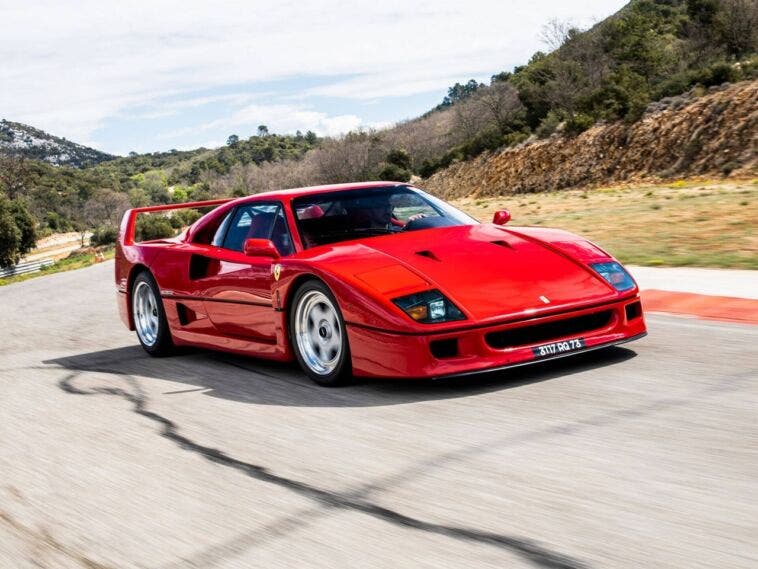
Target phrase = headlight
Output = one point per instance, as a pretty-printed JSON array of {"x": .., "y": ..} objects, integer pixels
[
  {"x": 429, "y": 307},
  {"x": 615, "y": 274}
]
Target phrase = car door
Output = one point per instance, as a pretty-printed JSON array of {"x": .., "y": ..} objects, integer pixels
[{"x": 236, "y": 288}]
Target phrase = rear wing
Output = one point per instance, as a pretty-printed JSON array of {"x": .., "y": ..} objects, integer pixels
[{"x": 129, "y": 221}]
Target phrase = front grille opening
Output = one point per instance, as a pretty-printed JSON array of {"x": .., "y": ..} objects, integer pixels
[
  {"x": 539, "y": 333},
  {"x": 633, "y": 310},
  {"x": 444, "y": 348}
]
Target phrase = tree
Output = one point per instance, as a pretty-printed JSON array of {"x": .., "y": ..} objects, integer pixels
[
  {"x": 393, "y": 173},
  {"x": 232, "y": 140},
  {"x": 262, "y": 130},
  {"x": 397, "y": 166},
  {"x": 459, "y": 92},
  {"x": 139, "y": 197},
  {"x": 502, "y": 103},
  {"x": 399, "y": 157},
  {"x": 17, "y": 234},
  {"x": 104, "y": 210},
  {"x": 555, "y": 33},
  {"x": 10, "y": 237},
  {"x": 14, "y": 176},
  {"x": 739, "y": 26},
  {"x": 26, "y": 226},
  {"x": 311, "y": 138}
]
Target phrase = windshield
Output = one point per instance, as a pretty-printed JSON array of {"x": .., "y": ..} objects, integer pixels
[{"x": 349, "y": 214}]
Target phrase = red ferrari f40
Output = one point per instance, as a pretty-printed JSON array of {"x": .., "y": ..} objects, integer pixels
[{"x": 373, "y": 279}]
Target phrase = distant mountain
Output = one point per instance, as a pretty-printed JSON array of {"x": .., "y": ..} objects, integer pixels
[{"x": 19, "y": 139}]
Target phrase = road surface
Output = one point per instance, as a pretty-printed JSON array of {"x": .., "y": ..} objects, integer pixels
[{"x": 640, "y": 456}]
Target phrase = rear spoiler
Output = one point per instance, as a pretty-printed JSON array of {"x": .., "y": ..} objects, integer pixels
[{"x": 129, "y": 221}]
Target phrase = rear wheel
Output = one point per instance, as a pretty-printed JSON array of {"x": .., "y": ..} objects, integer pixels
[
  {"x": 319, "y": 337},
  {"x": 149, "y": 316}
]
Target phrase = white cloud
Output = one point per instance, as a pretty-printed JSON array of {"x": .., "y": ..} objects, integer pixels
[{"x": 70, "y": 66}]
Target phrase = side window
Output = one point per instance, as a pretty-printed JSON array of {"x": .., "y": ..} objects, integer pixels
[
  {"x": 218, "y": 237},
  {"x": 253, "y": 221}
]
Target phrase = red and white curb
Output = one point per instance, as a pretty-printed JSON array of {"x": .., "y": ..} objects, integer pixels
[
  {"x": 712, "y": 294},
  {"x": 724, "y": 308}
]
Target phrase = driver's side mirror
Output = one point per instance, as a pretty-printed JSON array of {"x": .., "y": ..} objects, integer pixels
[
  {"x": 260, "y": 248},
  {"x": 501, "y": 217}
]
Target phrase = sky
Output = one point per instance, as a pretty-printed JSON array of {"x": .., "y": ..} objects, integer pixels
[{"x": 154, "y": 75}]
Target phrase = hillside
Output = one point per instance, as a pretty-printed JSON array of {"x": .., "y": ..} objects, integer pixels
[
  {"x": 663, "y": 89},
  {"x": 712, "y": 135},
  {"x": 17, "y": 139}
]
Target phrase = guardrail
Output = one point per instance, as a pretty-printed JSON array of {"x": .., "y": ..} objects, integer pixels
[{"x": 23, "y": 268}]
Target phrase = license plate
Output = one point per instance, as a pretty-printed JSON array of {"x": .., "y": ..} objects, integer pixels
[{"x": 555, "y": 348}]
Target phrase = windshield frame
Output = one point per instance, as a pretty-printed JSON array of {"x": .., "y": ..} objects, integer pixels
[{"x": 442, "y": 208}]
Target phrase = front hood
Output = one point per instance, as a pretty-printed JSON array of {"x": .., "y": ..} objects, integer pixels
[{"x": 490, "y": 272}]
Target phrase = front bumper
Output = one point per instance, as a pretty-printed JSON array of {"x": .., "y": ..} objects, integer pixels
[{"x": 377, "y": 353}]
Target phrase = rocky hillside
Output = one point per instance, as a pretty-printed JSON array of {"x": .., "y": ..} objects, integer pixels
[
  {"x": 22, "y": 140},
  {"x": 711, "y": 134}
]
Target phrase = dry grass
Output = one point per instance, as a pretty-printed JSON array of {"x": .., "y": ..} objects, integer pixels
[{"x": 685, "y": 223}]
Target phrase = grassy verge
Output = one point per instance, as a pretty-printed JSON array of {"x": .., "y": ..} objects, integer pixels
[
  {"x": 685, "y": 223},
  {"x": 75, "y": 260}
]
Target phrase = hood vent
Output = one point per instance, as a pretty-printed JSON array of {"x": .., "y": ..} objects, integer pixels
[
  {"x": 501, "y": 243},
  {"x": 428, "y": 254}
]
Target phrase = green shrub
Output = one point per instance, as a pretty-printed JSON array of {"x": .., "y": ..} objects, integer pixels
[
  {"x": 578, "y": 123},
  {"x": 184, "y": 217},
  {"x": 153, "y": 227},
  {"x": 56, "y": 222},
  {"x": 399, "y": 157},
  {"x": 428, "y": 167},
  {"x": 548, "y": 125},
  {"x": 729, "y": 167},
  {"x": 394, "y": 173},
  {"x": 105, "y": 235}
]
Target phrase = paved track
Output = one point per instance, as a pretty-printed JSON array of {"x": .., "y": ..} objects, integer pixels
[{"x": 643, "y": 456}]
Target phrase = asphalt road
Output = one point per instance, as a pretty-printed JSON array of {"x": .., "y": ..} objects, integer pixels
[{"x": 642, "y": 456}]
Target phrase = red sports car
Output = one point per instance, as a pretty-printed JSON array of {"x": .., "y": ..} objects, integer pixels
[{"x": 374, "y": 279}]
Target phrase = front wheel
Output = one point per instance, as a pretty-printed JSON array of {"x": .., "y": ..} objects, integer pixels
[
  {"x": 149, "y": 316},
  {"x": 319, "y": 337}
]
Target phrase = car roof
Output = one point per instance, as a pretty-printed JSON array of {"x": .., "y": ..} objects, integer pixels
[{"x": 312, "y": 190}]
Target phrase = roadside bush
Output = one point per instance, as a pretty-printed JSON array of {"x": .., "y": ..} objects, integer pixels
[
  {"x": 578, "y": 123},
  {"x": 153, "y": 227},
  {"x": 184, "y": 217},
  {"x": 56, "y": 222},
  {"x": 105, "y": 235},
  {"x": 548, "y": 125},
  {"x": 428, "y": 167},
  {"x": 394, "y": 173},
  {"x": 717, "y": 74},
  {"x": 729, "y": 167}
]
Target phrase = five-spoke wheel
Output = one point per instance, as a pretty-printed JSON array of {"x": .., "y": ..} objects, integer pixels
[
  {"x": 318, "y": 334},
  {"x": 149, "y": 317}
]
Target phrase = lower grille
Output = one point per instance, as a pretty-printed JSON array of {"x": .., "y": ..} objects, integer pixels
[{"x": 539, "y": 333}]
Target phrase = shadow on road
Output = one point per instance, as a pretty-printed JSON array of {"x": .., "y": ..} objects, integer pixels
[{"x": 250, "y": 380}]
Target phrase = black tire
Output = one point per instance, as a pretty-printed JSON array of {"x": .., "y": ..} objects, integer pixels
[
  {"x": 338, "y": 370},
  {"x": 161, "y": 343}
]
